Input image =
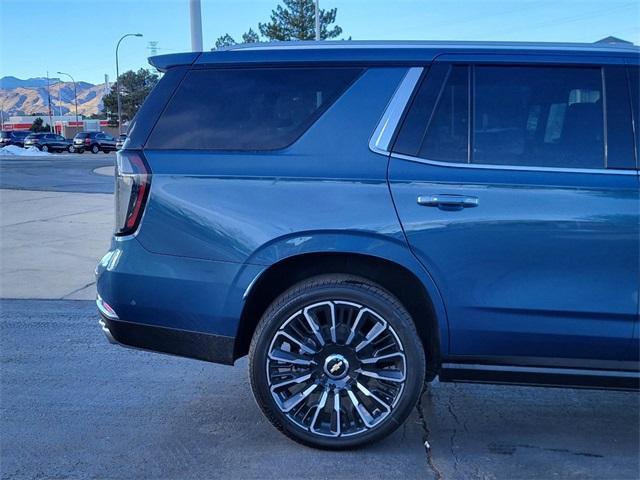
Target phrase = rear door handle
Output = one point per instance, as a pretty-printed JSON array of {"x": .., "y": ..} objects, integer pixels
[{"x": 448, "y": 202}]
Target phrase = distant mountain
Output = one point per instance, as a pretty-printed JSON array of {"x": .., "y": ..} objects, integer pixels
[
  {"x": 13, "y": 82},
  {"x": 28, "y": 97}
]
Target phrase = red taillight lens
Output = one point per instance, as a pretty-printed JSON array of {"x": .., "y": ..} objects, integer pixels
[
  {"x": 133, "y": 181},
  {"x": 87, "y": 141}
]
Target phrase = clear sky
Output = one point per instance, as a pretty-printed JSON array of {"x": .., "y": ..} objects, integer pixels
[{"x": 79, "y": 36}]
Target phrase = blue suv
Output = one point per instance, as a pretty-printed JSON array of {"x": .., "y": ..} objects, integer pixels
[{"x": 360, "y": 218}]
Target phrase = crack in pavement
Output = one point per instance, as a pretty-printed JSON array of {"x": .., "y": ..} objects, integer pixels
[
  {"x": 56, "y": 217},
  {"x": 426, "y": 433},
  {"x": 452, "y": 439},
  {"x": 77, "y": 290}
]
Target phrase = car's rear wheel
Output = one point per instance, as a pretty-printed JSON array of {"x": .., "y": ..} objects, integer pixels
[
  {"x": 70, "y": 149},
  {"x": 44, "y": 148},
  {"x": 95, "y": 149},
  {"x": 336, "y": 362}
]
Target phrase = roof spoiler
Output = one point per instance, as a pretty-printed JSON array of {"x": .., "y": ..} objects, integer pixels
[{"x": 165, "y": 62}]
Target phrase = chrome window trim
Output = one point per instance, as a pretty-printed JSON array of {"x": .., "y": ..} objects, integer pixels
[
  {"x": 388, "y": 123},
  {"x": 483, "y": 166},
  {"x": 382, "y": 135}
]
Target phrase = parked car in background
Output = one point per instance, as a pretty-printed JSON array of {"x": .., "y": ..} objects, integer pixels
[
  {"x": 48, "y": 142},
  {"x": 94, "y": 142},
  {"x": 120, "y": 142},
  {"x": 10, "y": 137},
  {"x": 360, "y": 217}
]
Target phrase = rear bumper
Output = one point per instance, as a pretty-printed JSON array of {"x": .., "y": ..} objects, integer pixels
[
  {"x": 176, "y": 305},
  {"x": 201, "y": 346}
]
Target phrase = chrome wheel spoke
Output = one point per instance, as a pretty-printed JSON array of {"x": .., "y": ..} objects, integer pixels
[
  {"x": 398, "y": 355},
  {"x": 388, "y": 375},
  {"x": 291, "y": 381},
  {"x": 300, "y": 344},
  {"x": 377, "y": 329},
  {"x": 368, "y": 393},
  {"x": 290, "y": 357},
  {"x": 335, "y": 417},
  {"x": 319, "y": 408},
  {"x": 314, "y": 326},
  {"x": 290, "y": 403},
  {"x": 360, "y": 409}
]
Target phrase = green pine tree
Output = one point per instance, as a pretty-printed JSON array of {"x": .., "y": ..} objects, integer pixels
[
  {"x": 250, "y": 37},
  {"x": 296, "y": 21},
  {"x": 134, "y": 88},
  {"x": 225, "y": 40}
]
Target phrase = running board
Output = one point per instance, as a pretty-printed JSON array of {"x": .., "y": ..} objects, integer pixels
[{"x": 540, "y": 376}]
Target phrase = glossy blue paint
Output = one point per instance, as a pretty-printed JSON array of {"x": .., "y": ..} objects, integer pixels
[
  {"x": 547, "y": 264},
  {"x": 228, "y": 206},
  {"x": 229, "y": 216},
  {"x": 172, "y": 291}
]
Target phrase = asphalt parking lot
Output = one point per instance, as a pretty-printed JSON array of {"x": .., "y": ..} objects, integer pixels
[{"x": 74, "y": 406}]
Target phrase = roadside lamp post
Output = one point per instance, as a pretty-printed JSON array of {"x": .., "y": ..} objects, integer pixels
[
  {"x": 317, "y": 18},
  {"x": 118, "y": 78},
  {"x": 75, "y": 93}
]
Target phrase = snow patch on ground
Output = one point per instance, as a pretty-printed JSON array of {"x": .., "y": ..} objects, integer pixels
[{"x": 22, "y": 152}]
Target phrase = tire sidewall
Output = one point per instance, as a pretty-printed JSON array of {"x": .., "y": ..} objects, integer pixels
[{"x": 357, "y": 293}]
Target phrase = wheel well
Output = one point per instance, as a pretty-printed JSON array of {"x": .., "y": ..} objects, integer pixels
[{"x": 391, "y": 276}]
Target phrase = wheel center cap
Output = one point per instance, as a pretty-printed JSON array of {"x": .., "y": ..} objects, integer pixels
[{"x": 336, "y": 366}]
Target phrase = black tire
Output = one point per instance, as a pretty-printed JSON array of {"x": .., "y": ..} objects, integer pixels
[
  {"x": 95, "y": 149},
  {"x": 70, "y": 149},
  {"x": 332, "y": 404}
]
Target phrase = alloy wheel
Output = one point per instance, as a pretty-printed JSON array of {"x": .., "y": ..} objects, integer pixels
[{"x": 336, "y": 368}]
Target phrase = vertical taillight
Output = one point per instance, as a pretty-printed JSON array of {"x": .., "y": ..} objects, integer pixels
[{"x": 133, "y": 181}]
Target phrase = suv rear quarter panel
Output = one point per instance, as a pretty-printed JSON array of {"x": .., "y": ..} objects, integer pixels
[
  {"x": 220, "y": 219},
  {"x": 233, "y": 207}
]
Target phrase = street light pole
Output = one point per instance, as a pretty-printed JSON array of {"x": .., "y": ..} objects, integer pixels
[
  {"x": 195, "y": 20},
  {"x": 317, "y": 5},
  {"x": 118, "y": 78},
  {"x": 75, "y": 93}
]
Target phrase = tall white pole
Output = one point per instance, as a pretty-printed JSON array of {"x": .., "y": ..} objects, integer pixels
[
  {"x": 317, "y": 20},
  {"x": 195, "y": 18},
  {"x": 49, "y": 100},
  {"x": 118, "y": 78}
]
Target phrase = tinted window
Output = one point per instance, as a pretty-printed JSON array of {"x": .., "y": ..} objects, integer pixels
[
  {"x": 411, "y": 134},
  {"x": 634, "y": 88},
  {"x": 247, "y": 109},
  {"x": 446, "y": 137},
  {"x": 538, "y": 116}
]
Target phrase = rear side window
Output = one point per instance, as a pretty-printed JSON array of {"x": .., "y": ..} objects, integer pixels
[
  {"x": 447, "y": 134},
  {"x": 534, "y": 116},
  {"x": 538, "y": 116},
  {"x": 634, "y": 88},
  {"x": 247, "y": 109}
]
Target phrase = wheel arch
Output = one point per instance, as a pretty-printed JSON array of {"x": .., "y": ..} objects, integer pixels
[{"x": 407, "y": 285}]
